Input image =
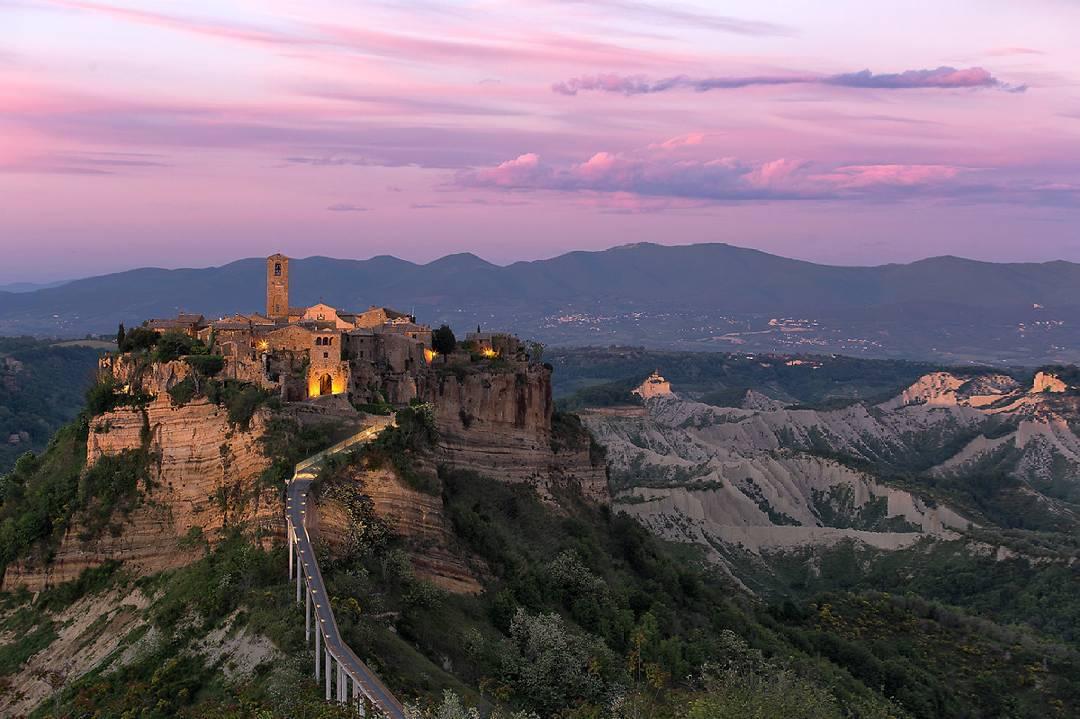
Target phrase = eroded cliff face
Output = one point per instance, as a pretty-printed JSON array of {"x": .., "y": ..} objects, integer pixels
[
  {"x": 356, "y": 502},
  {"x": 204, "y": 471},
  {"x": 203, "y": 477},
  {"x": 499, "y": 424},
  {"x": 762, "y": 477}
]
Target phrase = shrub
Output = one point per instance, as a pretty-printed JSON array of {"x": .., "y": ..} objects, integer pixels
[
  {"x": 175, "y": 344},
  {"x": 206, "y": 365},
  {"x": 239, "y": 398},
  {"x": 111, "y": 485},
  {"x": 415, "y": 432},
  {"x": 182, "y": 392},
  {"x": 102, "y": 397}
]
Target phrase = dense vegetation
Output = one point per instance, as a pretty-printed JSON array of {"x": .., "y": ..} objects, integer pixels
[
  {"x": 42, "y": 495},
  {"x": 36, "y": 497},
  {"x": 1039, "y": 589},
  {"x": 41, "y": 389}
]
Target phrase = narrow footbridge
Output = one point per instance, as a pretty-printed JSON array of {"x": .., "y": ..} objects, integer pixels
[{"x": 335, "y": 662}]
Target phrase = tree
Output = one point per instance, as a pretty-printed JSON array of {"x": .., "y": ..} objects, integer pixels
[
  {"x": 121, "y": 335},
  {"x": 175, "y": 344},
  {"x": 140, "y": 338},
  {"x": 550, "y": 665},
  {"x": 443, "y": 340}
]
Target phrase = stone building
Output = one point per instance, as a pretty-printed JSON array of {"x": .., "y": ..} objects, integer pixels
[
  {"x": 303, "y": 353},
  {"x": 277, "y": 287},
  {"x": 653, "y": 386},
  {"x": 310, "y": 352},
  {"x": 185, "y": 322}
]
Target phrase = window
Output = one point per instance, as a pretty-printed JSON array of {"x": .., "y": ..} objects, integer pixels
[
  {"x": 326, "y": 355},
  {"x": 277, "y": 269}
]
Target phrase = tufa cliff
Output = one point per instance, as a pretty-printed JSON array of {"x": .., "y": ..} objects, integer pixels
[
  {"x": 502, "y": 424},
  {"x": 361, "y": 503},
  {"x": 203, "y": 471},
  {"x": 202, "y": 476}
]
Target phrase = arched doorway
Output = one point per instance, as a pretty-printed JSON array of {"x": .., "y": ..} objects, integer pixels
[{"x": 326, "y": 385}]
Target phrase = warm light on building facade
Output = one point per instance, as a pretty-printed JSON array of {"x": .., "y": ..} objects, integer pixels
[{"x": 321, "y": 383}]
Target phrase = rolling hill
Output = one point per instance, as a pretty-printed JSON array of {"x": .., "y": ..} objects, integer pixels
[{"x": 701, "y": 296}]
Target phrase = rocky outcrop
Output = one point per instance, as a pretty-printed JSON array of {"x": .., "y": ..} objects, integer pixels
[
  {"x": 204, "y": 477},
  {"x": 499, "y": 424},
  {"x": 1046, "y": 382}
]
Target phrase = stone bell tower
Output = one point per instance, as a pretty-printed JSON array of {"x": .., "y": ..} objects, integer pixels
[{"x": 277, "y": 287}]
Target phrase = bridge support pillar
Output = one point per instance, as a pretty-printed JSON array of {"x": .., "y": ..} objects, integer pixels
[
  {"x": 299, "y": 574},
  {"x": 318, "y": 652},
  {"x": 329, "y": 666},
  {"x": 307, "y": 618},
  {"x": 291, "y": 541}
]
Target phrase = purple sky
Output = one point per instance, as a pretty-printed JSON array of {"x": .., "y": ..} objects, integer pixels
[{"x": 194, "y": 133}]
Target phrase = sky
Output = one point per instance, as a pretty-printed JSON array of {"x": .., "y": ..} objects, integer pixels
[{"x": 196, "y": 132}]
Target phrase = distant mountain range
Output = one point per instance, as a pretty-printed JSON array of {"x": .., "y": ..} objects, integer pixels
[
  {"x": 702, "y": 296},
  {"x": 17, "y": 287}
]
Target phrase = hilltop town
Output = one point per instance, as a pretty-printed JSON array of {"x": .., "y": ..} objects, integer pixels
[{"x": 378, "y": 355}]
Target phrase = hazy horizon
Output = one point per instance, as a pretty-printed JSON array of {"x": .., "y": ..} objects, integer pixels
[{"x": 45, "y": 283}]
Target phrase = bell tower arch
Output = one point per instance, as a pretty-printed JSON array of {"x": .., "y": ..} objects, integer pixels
[{"x": 277, "y": 287}]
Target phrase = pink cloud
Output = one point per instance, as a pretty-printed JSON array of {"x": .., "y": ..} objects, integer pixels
[
  {"x": 523, "y": 171},
  {"x": 775, "y": 173},
  {"x": 688, "y": 140},
  {"x": 646, "y": 174},
  {"x": 614, "y": 178},
  {"x": 863, "y": 176}
]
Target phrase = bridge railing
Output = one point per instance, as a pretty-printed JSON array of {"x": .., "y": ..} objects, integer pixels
[
  {"x": 365, "y": 435},
  {"x": 329, "y": 644}
]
